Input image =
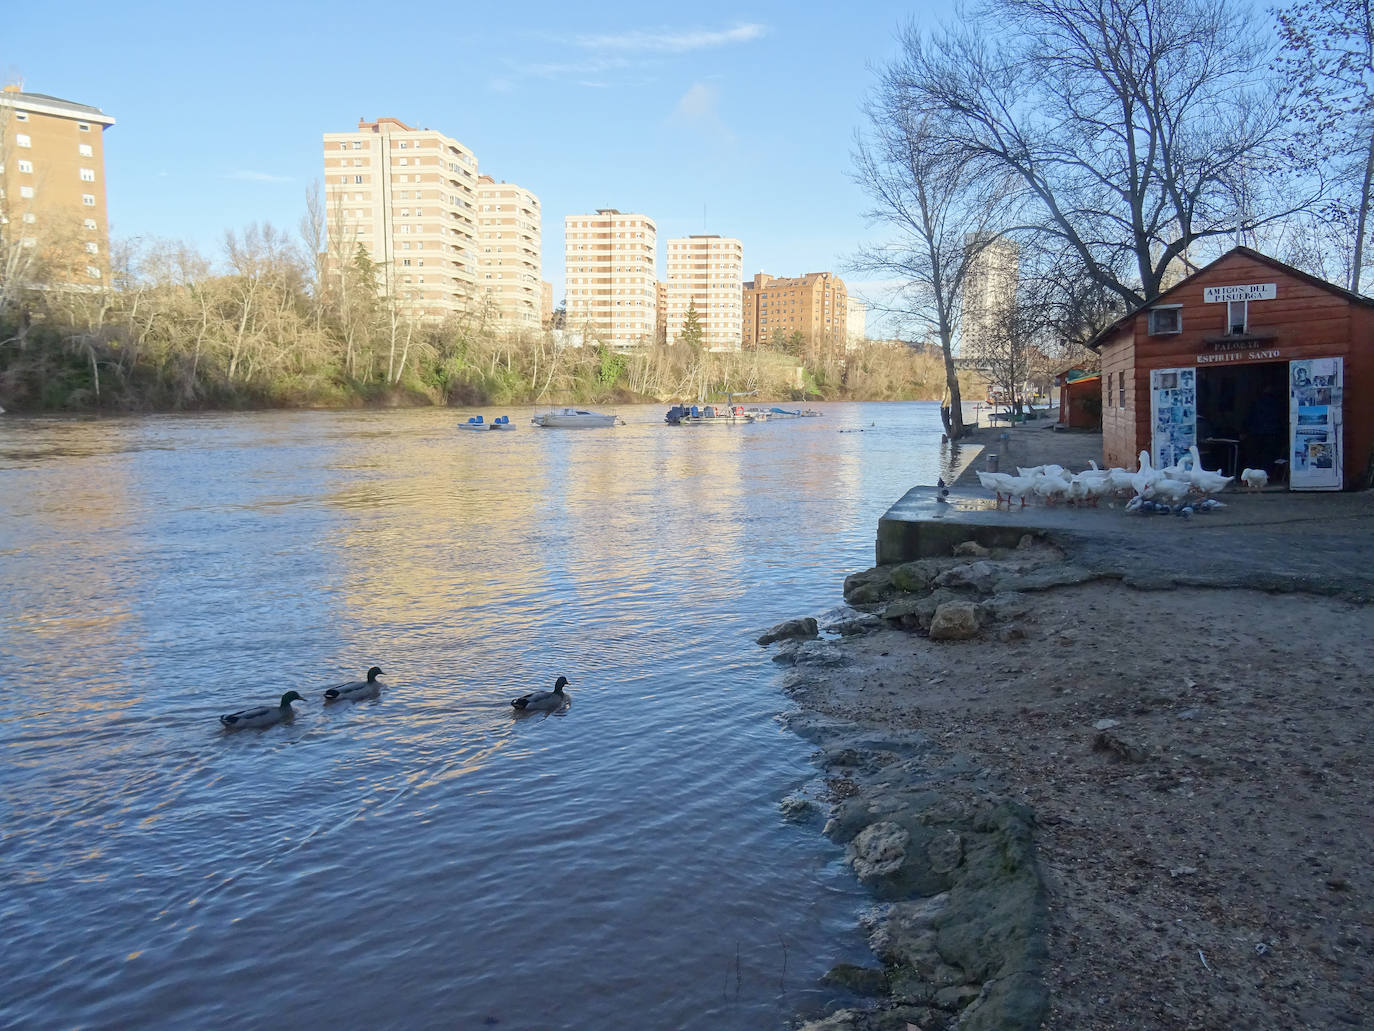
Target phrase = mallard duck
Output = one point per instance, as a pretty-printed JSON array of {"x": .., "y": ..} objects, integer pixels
[
  {"x": 368, "y": 688},
  {"x": 543, "y": 699},
  {"x": 262, "y": 715}
]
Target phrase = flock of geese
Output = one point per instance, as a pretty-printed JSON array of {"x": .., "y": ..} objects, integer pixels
[
  {"x": 1182, "y": 488},
  {"x": 358, "y": 690}
]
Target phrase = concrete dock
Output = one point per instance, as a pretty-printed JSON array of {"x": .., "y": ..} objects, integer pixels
[{"x": 1317, "y": 542}]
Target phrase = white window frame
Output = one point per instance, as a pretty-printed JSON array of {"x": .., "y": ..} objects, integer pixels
[
  {"x": 88, "y": 175},
  {"x": 1232, "y": 324},
  {"x": 21, "y": 139},
  {"x": 1159, "y": 325},
  {"x": 88, "y": 199},
  {"x": 26, "y": 166},
  {"x": 26, "y": 192},
  {"x": 85, "y": 150}
]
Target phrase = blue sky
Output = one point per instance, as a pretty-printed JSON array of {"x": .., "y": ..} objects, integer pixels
[{"x": 733, "y": 120}]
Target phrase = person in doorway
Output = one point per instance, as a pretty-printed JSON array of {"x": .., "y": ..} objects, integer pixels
[{"x": 1266, "y": 427}]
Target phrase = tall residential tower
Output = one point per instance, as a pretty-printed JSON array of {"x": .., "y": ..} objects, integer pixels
[
  {"x": 508, "y": 261},
  {"x": 705, "y": 272},
  {"x": 409, "y": 198},
  {"x": 610, "y": 260},
  {"x": 52, "y": 188}
]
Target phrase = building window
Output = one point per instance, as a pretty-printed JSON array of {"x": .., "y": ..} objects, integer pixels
[
  {"x": 88, "y": 175},
  {"x": 1121, "y": 390},
  {"x": 1237, "y": 317},
  {"x": 22, "y": 140},
  {"x": 92, "y": 247},
  {"x": 357, "y": 180},
  {"x": 22, "y": 116},
  {"x": 26, "y": 192},
  {"x": 1111, "y": 395},
  {"x": 26, "y": 166},
  {"x": 85, "y": 150},
  {"x": 30, "y": 217},
  {"x": 357, "y": 144},
  {"x": 1166, "y": 320},
  {"x": 84, "y": 126},
  {"x": 89, "y": 223},
  {"x": 92, "y": 271},
  {"x": 343, "y": 146},
  {"x": 88, "y": 199}
]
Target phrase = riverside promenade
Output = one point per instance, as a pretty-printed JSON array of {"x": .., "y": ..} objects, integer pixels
[{"x": 1317, "y": 542}]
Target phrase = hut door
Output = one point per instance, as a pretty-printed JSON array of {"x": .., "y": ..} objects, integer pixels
[
  {"x": 1173, "y": 414},
  {"x": 1314, "y": 423}
]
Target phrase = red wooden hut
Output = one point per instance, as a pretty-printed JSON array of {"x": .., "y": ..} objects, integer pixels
[
  {"x": 1252, "y": 360},
  {"x": 1080, "y": 399}
]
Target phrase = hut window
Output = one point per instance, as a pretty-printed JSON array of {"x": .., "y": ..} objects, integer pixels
[
  {"x": 1121, "y": 391},
  {"x": 1110, "y": 394},
  {"x": 1166, "y": 320},
  {"x": 1237, "y": 317}
]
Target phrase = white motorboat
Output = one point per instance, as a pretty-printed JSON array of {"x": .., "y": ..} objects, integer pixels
[{"x": 576, "y": 418}]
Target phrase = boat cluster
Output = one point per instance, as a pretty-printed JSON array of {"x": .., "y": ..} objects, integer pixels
[{"x": 1172, "y": 488}]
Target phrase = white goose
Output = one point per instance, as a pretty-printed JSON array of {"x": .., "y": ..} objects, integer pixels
[{"x": 1206, "y": 480}]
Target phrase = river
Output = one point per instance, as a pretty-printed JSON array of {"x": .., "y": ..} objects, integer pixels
[{"x": 424, "y": 859}]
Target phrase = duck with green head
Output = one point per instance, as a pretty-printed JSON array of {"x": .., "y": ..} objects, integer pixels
[
  {"x": 262, "y": 715},
  {"x": 369, "y": 688}
]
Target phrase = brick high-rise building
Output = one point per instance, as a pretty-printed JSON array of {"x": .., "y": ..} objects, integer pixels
[
  {"x": 508, "y": 259},
  {"x": 815, "y": 305},
  {"x": 705, "y": 272},
  {"x": 409, "y": 196},
  {"x": 609, "y": 264},
  {"x": 52, "y": 188}
]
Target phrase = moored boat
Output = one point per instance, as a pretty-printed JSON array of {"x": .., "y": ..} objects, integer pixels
[
  {"x": 576, "y": 418},
  {"x": 475, "y": 422},
  {"x": 706, "y": 415}
]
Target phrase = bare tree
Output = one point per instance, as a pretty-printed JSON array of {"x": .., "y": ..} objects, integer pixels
[
  {"x": 934, "y": 197},
  {"x": 1328, "y": 50},
  {"x": 1137, "y": 129}
]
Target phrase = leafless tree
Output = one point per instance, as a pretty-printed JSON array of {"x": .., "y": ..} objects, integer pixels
[
  {"x": 933, "y": 196},
  {"x": 1137, "y": 130},
  {"x": 1328, "y": 50}
]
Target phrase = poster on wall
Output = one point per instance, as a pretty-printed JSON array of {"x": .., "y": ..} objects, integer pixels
[
  {"x": 1173, "y": 414},
  {"x": 1315, "y": 393}
]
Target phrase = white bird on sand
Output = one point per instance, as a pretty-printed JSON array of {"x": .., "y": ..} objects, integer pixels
[
  {"x": 354, "y": 690},
  {"x": 542, "y": 700},
  {"x": 1255, "y": 479},
  {"x": 262, "y": 715}
]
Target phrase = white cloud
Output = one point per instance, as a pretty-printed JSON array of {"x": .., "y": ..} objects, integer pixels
[
  {"x": 699, "y": 107},
  {"x": 672, "y": 40},
  {"x": 257, "y": 177}
]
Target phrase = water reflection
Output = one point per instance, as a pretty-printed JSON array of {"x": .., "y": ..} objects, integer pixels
[{"x": 405, "y": 860}]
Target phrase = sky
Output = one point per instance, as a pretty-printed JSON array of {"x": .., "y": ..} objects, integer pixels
[{"x": 726, "y": 119}]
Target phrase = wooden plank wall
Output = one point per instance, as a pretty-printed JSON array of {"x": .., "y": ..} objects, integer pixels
[{"x": 1303, "y": 321}]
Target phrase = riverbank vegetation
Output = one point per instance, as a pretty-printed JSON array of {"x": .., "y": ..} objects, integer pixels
[{"x": 261, "y": 327}]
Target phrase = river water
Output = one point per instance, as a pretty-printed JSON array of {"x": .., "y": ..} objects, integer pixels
[{"x": 423, "y": 860}]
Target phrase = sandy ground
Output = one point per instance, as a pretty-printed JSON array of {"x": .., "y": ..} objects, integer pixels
[{"x": 1206, "y": 852}]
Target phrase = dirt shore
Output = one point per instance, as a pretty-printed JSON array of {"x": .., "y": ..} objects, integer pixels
[{"x": 1195, "y": 771}]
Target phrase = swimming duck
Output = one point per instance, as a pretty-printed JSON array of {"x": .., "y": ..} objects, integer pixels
[
  {"x": 543, "y": 699},
  {"x": 262, "y": 715},
  {"x": 368, "y": 688}
]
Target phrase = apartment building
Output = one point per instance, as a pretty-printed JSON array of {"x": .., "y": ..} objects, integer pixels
[
  {"x": 705, "y": 272},
  {"x": 815, "y": 305},
  {"x": 509, "y": 255},
  {"x": 409, "y": 198},
  {"x": 856, "y": 323},
  {"x": 52, "y": 187},
  {"x": 989, "y": 293},
  {"x": 610, "y": 260}
]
